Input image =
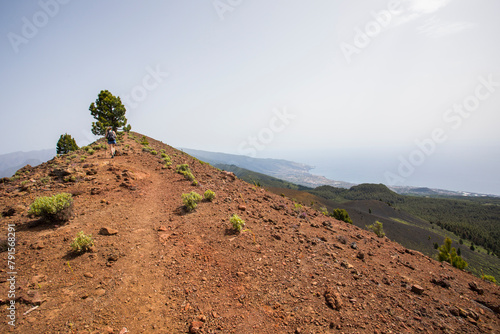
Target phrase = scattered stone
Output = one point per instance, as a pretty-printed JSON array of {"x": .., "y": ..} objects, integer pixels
[
  {"x": 88, "y": 275},
  {"x": 361, "y": 255},
  {"x": 242, "y": 207},
  {"x": 113, "y": 257},
  {"x": 95, "y": 191},
  {"x": 8, "y": 212},
  {"x": 162, "y": 229},
  {"x": 38, "y": 279},
  {"x": 196, "y": 327},
  {"x": 354, "y": 245},
  {"x": 32, "y": 297},
  {"x": 342, "y": 239},
  {"x": 441, "y": 282},
  {"x": 454, "y": 311},
  {"x": 37, "y": 245},
  {"x": 417, "y": 289},
  {"x": 100, "y": 292},
  {"x": 108, "y": 231},
  {"x": 109, "y": 330},
  {"x": 473, "y": 314},
  {"x": 474, "y": 287},
  {"x": 346, "y": 264},
  {"x": 332, "y": 299}
]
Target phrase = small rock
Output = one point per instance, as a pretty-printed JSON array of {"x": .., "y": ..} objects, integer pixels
[
  {"x": 474, "y": 287},
  {"x": 417, "y": 289},
  {"x": 361, "y": 256},
  {"x": 38, "y": 279},
  {"x": 108, "y": 330},
  {"x": 346, "y": 264},
  {"x": 108, "y": 231},
  {"x": 88, "y": 275},
  {"x": 442, "y": 282},
  {"x": 100, "y": 292},
  {"x": 354, "y": 245},
  {"x": 32, "y": 297},
  {"x": 38, "y": 245},
  {"x": 195, "y": 327},
  {"x": 113, "y": 257},
  {"x": 242, "y": 207},
  {"x": 332, "y": 299},
  {"x": 162, "y": 228}
]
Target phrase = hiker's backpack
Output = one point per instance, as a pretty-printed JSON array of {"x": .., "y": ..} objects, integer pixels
[{"x": 111, "y": 135}]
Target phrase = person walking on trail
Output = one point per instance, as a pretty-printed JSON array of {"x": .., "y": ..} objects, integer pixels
[{"x": 111, "y": 137}]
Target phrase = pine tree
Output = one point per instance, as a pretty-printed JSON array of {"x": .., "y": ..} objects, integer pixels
[
  {"x": 108, "y": 110},
  {"x": 66, "y": 144},
  {"x": 449, "y": 254},
  {"x": 341, "y": 214}
]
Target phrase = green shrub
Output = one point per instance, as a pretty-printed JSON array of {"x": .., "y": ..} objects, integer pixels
[
  {"x": 56, "y": 208},
  {"x": 194, "y": 183},
  {"x": 191, "y": 200},
  {"x": 377, "y": 228},
  {"x": 82, "y": 242},
  {"x": 147, "y": 149},
  {"x": 297, "y": 206},
  {"x": 341, "y": 214},
  {"x": 489, "y": 278},
  {"x": 209, "y": 195},
  {"x": 182, "y": 168},
  {"x": 90, "y": 151},
  {"x": 144, "y": 141},
  {"x": 153, "y": 152},
  {"x": 237, "y": 222}
]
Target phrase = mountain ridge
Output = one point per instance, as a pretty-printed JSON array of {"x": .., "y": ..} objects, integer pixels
[{"x": 156, "y": 267}]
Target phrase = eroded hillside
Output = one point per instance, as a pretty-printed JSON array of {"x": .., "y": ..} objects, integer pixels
[{"x": 156, "y": 268}]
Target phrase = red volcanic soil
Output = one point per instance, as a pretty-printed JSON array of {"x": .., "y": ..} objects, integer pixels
[{"x": 156, "y": 268}]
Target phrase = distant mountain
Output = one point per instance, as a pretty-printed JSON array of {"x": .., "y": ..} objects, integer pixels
[
  {"x": 290, "y": 171},
  {"x": 11, "y": 162}
]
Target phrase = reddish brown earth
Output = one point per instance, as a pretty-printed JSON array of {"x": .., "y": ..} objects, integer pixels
[{"x": 169, "y": 271}]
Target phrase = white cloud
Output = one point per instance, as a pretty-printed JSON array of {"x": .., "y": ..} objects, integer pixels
[
  {"x": 436, "y": 28},
  {"x": 414, "y": 9},
  {"x": 427, "y": 6}
]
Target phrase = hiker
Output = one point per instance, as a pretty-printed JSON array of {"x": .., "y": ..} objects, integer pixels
[{"x": 111, "y": 137}]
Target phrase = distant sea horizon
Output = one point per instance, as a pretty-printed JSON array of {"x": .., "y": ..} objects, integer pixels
[{"x": 437, "y": 172}]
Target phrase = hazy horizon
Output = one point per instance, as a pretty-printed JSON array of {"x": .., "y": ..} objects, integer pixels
[{"x": 401, "y": 92}]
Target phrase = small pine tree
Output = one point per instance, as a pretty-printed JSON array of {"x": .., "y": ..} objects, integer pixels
[
  {"x": 66, "y": 144},
  {"x": 377, "y": 228},
  {"x": 341, "y": 214},
  {"x": 449, "y": 254}
]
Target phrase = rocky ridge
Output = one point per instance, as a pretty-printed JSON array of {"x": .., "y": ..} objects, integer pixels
[{"x": 156, "y": 268}]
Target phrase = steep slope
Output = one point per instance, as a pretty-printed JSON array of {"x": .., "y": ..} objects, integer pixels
[{"x": 165, "y": 270}]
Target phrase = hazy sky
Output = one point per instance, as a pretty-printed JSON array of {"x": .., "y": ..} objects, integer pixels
[{"x": 416, "y": 82}]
